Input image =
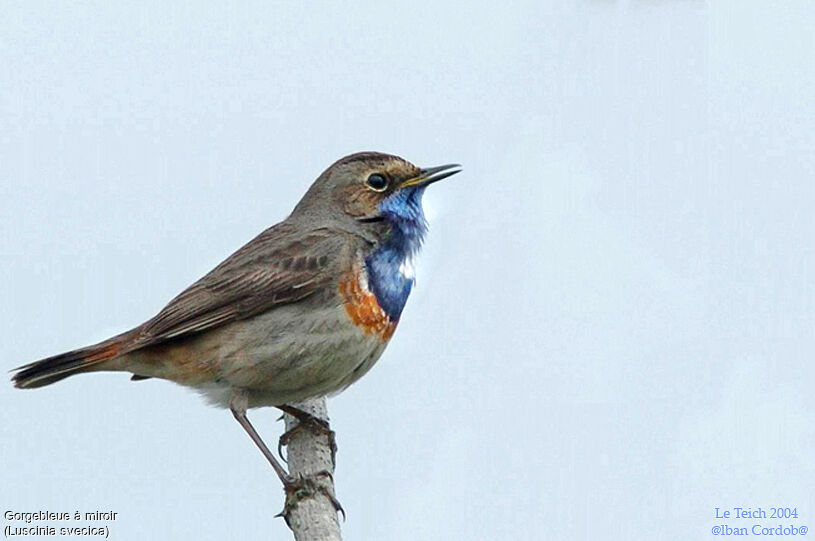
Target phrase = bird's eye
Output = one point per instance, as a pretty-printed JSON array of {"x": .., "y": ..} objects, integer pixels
[{"x": 377, "y": 182}]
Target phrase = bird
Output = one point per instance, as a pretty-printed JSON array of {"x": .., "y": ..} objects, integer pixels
[{"x": 303, "y": 310}]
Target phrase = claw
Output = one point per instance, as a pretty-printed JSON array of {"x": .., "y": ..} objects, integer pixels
[
  {"x": 284, "y": 440},
  {"x": 335, "y": 502},
  {"x": 280, "y": 445},
  {"x": 302, "y": 486},
  {"x": 306, "y": 419},
  {"x": 333, "y": 443}
]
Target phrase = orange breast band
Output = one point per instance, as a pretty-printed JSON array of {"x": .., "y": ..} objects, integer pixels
[{"x": 362, "y": 307}]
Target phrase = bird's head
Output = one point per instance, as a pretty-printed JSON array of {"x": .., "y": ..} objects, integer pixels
[{"x": 373, "y": 189}]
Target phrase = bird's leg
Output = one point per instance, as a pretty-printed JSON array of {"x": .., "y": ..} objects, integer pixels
[
  {"x": 307, "y": 420},
  {"x": 296, "y": 487},
  {"x": 238, "y": 405}
]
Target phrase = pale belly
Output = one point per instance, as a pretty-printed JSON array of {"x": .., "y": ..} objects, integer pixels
[{"x": 280, "y": 357}]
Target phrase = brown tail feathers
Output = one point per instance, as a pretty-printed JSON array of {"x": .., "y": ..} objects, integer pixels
[{"x": 52, "y": 369}]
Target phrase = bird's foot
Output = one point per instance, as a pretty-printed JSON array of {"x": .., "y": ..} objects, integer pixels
[
  {"x": 307, "y": 421},
  {"x": 300, "y": 487}
]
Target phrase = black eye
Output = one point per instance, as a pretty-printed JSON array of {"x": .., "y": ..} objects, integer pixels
[{"x": 377, "y": 182}]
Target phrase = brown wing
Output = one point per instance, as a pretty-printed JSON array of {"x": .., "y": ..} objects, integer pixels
[{"x": 277, "y": 267}]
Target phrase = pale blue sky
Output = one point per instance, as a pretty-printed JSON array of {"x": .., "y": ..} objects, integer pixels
[{"x": 613, "y": 327}]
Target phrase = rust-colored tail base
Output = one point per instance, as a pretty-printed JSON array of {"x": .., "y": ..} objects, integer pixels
[{"x": 52, "y": 369}]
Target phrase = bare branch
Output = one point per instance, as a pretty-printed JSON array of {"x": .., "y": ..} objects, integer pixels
[{"x": 311, "y": 507}]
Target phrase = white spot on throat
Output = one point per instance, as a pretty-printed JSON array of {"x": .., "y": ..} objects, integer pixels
[
  {"x": 363, "y": 281},
  {"x": 406, "y": 269}
]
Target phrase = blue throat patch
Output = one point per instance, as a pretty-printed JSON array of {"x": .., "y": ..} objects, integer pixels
[{"x": 386, "y": 276}]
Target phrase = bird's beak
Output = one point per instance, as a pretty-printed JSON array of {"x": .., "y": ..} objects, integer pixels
[{"x": 431, "y": 175}]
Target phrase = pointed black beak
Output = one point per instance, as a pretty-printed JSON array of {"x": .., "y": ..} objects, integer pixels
[{"x": 432, "y": 174}]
